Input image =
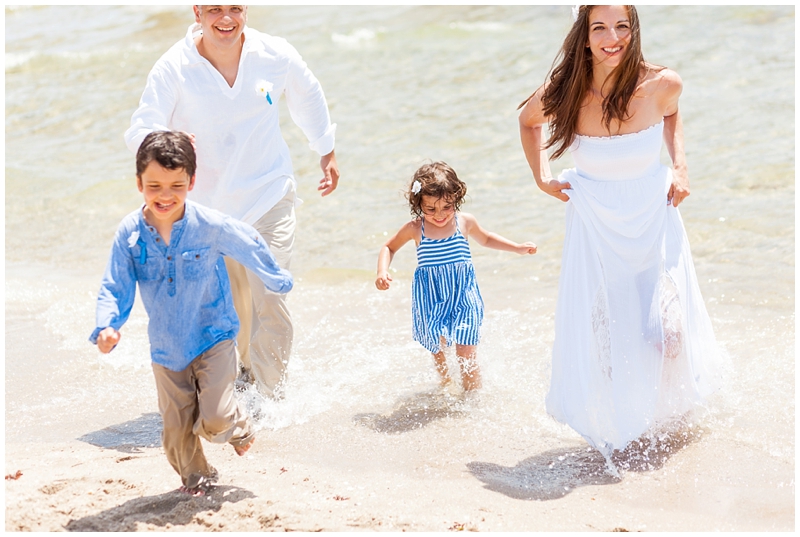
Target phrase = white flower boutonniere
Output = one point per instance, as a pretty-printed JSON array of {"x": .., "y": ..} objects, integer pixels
[
  {"x": 263, "y": 88},
  {"x": 133, "y": 239},
  {"x": 416, "y": 187}
]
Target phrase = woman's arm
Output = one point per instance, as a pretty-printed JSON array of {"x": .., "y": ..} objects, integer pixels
[
  {"x": 531, "y": 123},
  {"x": 406, "y": 233},
  {"x": 670, "y": 91},
  {"x": 492, "y": 240}
]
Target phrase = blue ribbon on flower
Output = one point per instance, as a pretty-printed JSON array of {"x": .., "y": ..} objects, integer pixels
[
  {"x": 142, "y": 251},
  {"x": 263, "y": 88}
]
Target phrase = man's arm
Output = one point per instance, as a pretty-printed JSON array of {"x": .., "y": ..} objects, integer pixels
[
  {"x": 309, "y": 110},
  {"x": 155, "y": 108}
]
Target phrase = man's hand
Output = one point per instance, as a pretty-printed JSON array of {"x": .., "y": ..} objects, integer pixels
[
  {"x": 192, "y": 138},
  {"x": 107, "y": 339},
  {"x": 330, "y": 169}
]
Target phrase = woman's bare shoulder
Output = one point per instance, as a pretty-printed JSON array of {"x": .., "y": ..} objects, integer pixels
[
  {"x": 532, "y": 112},
  {"x": 663, "y": 79},
  {"x": 659, "y": 83}
]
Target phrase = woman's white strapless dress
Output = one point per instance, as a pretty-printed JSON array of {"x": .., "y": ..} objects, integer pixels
[{"x": 634, "y": 346}]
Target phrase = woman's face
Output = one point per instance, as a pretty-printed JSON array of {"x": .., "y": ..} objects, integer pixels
[{"x": 609, "y": 35}]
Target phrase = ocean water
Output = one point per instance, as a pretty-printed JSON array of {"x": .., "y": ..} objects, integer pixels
[{"x": 404, "y": 84}]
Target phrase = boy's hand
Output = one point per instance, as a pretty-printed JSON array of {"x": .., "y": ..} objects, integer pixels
[
  {"x": 107, "y": 339},
  {"x": 526, "y": 248},
  {"x": 382, "y": 282}
]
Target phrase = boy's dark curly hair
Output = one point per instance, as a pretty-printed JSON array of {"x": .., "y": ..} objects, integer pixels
[
  {"x": 171, "y": 150},
  {"x": 437, "y": 180}
]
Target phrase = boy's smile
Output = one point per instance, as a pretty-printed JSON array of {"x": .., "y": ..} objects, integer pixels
[{"x": 165, "y": 194}]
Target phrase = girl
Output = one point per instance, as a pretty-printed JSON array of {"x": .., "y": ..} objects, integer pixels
[
  {"x": 447, "y": 306},
  {"x": 633, "y": 344}
]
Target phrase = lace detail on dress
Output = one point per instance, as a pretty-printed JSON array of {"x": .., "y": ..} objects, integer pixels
[
  {"x": 602, "y": 332},
  {"x": 670, "y": 307}
]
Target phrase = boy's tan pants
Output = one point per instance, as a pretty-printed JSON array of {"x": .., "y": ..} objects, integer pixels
[
  {"x": 199, "y": 402},
  {"x": 265, "y": 331}
]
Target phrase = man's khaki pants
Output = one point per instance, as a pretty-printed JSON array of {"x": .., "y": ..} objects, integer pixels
[
  {"x": 265, "y": 331},
  {"x": 199, "y": 402}
]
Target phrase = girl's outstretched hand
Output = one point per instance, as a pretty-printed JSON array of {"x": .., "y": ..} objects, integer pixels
[
  {"x": 107, "y": 339},
  {"x": 526, "y": 248},
  {"x": 382, "y": 282}
]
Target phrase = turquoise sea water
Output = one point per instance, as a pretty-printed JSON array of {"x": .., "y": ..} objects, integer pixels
[{"x": 404, "y": 84}]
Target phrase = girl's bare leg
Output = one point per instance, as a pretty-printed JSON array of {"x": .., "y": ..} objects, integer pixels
[
  {"x": 468, "y": 361},
  {"x": 441, "y": 362}
]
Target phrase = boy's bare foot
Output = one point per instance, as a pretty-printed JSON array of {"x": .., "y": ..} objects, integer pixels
[
  {"x": 193, "y": 492},
  {"x": 197, "y": 485},
  {"x": 241, "y": 450}
]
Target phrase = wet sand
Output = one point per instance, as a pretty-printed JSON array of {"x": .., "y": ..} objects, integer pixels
[{"x": 375, "y": 473}]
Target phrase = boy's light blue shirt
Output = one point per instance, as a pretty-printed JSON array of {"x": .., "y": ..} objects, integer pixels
[{"x": 184, "y": 286}]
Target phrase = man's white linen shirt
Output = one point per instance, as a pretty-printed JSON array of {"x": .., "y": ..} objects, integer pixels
[{"x": 243, "y": 163}]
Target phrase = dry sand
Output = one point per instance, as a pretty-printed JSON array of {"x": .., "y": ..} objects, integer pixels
[{"x": 374, "y": 473}]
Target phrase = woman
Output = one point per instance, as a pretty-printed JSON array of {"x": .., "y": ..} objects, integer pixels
[{"x": 634, "y": 347}]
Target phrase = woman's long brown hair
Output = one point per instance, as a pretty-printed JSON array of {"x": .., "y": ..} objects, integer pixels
[{"x": 571, "y": 80}]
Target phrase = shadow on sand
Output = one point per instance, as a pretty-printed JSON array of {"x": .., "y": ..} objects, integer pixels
[
  {"x": 175, "y": 508},
  {"x": 415, "y": 412},
  {"x": 554, "y": 474},
  {"x": 128, "y": 437}
]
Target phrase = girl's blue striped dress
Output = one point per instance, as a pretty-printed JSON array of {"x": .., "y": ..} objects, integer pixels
[{"x": 445, "y": 296}]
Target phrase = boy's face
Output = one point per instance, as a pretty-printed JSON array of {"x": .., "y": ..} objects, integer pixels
[{"x": 164, "y": 192}]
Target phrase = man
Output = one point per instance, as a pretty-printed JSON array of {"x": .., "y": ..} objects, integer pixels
[{"x": 221, "y": 84}]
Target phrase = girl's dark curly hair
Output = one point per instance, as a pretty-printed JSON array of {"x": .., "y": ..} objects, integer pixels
[{"x": 437, "y": 180}]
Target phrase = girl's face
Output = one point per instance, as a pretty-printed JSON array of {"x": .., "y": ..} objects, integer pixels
[
  {"x": 437, "y": 211},
  {"x": 609, "y": 34}
]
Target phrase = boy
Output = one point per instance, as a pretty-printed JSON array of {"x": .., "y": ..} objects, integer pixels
[{"x": 173, "y": 248}]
